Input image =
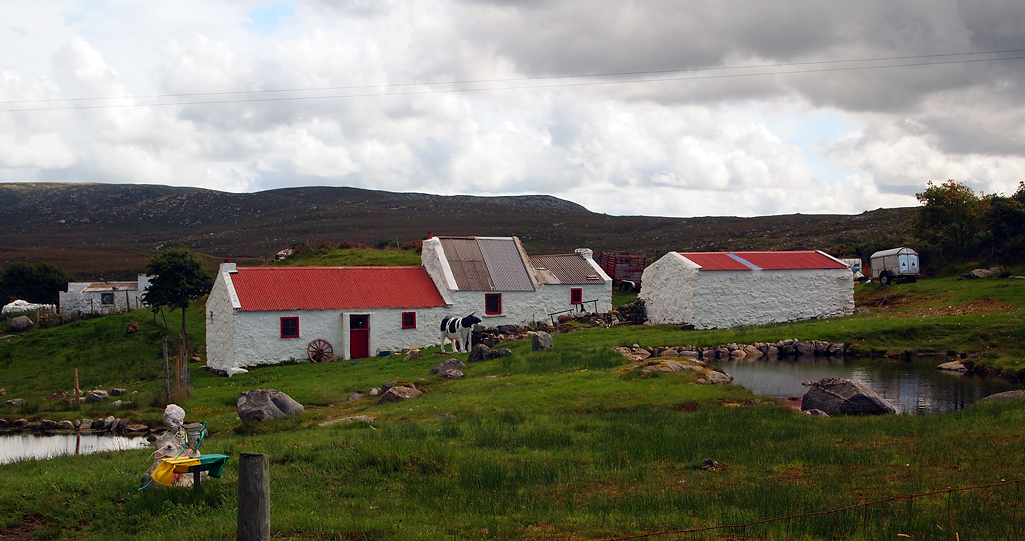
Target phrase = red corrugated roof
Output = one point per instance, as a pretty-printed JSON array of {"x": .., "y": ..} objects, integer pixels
[
  {"x": 334, "y": 288},
  {"x": 795, "y": 260}
]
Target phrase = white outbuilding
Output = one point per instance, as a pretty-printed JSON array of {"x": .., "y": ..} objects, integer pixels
[
  {"x": 102, "y": 297},
  {"x": 712, "y": 290},
  {"x": 269, "y": 315},
  {"x": 496, "y": 279}
]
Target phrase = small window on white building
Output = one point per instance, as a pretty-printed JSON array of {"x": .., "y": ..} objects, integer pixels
[
  {"x": 408, "y": 320},
  {"x": 107, "y": 298}
]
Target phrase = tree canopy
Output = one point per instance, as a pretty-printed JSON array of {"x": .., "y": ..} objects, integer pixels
[
  {"x": 962, "y": 223},
  {"x": 39, "y": 283},
  {"x": 177, "y": 279}
]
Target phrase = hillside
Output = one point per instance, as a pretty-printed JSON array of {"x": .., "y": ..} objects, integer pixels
[{"x": 109, "y": 230}]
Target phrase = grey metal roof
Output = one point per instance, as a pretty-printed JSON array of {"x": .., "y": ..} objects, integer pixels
[
  {"x": 487, "y": 263},
  {"x": 565, "y": 269}
]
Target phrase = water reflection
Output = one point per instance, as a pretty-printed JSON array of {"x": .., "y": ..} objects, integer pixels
[
  {"x": 30, "y": 446},
  {"x": 911, "y": 386}
]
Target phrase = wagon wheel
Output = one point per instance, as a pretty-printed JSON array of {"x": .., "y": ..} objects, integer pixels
[{"x": 320, "y": 350}]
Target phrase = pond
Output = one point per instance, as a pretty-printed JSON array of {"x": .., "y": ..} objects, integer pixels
[
  {"x": 31, "y": 446},
  {"x": 914, "y": 386}
]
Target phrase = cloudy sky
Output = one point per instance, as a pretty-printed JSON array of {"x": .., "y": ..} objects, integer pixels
[{"x": 659, "y": 107}]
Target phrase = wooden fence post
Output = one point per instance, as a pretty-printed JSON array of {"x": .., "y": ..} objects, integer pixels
[
  {"x": 78, "y": 403},
  {"x": 254, "y": 497}
]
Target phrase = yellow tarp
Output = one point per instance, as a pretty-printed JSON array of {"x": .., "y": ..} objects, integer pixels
[{"x": 164, "y": 474}]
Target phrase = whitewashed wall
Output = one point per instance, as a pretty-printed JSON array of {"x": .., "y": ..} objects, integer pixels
[
  {"x": 526, "y": 307},
  {"x": 220, "y": 326},
  {"x": 675, "y": 292},
  {"x": 77, "y": 301}
]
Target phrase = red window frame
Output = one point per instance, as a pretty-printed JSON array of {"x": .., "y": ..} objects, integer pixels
[
  {"x": 576, "y": 295},
  {"x": 289, "y": 334},
  {"x": 489, "y": 298},
  {"x": 408, "y": 320}
]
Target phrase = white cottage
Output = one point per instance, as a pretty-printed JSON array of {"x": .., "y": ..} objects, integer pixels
[
  {"x": 729, "y": 289},
  {"x": 269, "y": 315},
  {"x": 494, "y": 277},
  {"x": 102, "y": 297}
]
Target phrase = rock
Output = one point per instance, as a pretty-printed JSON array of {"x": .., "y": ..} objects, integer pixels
[
  {"x": 1017, "y": 394},
  {"x": 844, "y": 396},
  {"x": 542, "y": 341},
  {"x": 133, "y": 327},
  {"x": 136, "y": 429},
  {"x": 122, "y": 424},
  {"x": 480, "y": 352},
  {"x": 96, "y": 395},
  {"x": 753, "y": 351},
  {"x": 47, "y": 424},
  {"x": 375, "y": 391},
  {"x": 85, "y": 424},
  {"x": 262, "y": 404},
  {"x": 816, "y": 413},
  {"x": 509, "y": 329},
  {"x": 120, "y": 404},
  {"x": 502, "y": 352},
  {"x": 953, "y": 366},
  {"x": 669, "y": 367},
  {"x": 59, "y": 394},
  {"x": 396, "y": 394},
  {"x": 115, "y": 391},
  {"x": 19, "y": 324},
  {"x": 413, "y": 353},
  {"x": 16, "y": 402},
  {"x": 352, "y": 419},
  {"x": 4, "y": 423},
  {"x": 3, "y": 392},
  {"x": 355, "y": 396},
  {"x": 738, "y": 354},
  {"x": 99, "y": 425},
  {"x": 837, "y": 350},
  {"x": 709, "y": 464},
  {"x": 451, "y": 373},
  {"x": 396, "y": 383},
  {"x": 805, "y": 348},
  {"x": 19, "y": 423},
  {"x": 981, "y": 273},
  {"x": 445, "y": 365},
  {"x": 714, "y": 377}
]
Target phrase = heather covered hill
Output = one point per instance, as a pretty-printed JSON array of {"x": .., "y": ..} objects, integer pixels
[{"x": 110, "y": 229}]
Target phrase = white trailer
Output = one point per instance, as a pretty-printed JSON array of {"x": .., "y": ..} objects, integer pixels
[{"x": 898, "y": 264}]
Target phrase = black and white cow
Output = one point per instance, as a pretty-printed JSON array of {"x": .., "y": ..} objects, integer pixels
[{"x": 458, "y": 330}]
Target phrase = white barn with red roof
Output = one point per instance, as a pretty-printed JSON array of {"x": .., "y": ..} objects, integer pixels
[
  {"x": 269, "y": 315},
  {"x": 717, "y": 290}
]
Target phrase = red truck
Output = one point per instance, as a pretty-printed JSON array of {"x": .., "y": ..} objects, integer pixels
[{"x": 624, "y": 268}]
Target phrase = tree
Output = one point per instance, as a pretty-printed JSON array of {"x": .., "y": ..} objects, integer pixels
[
  {"x": 1006, "y": 220},
  {"x": 178, "y": 278},
  {"x": 950, "y": 216},
  {"x": 39, "y": 283}
]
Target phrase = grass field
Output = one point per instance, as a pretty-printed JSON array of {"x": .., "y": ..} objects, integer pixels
[{"x": 567, "y": 444}]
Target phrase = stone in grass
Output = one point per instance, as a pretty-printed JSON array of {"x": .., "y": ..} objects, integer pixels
[
  {"x": 355, "y": 396},
  {"x": 451, "y": 373},
  {"x": 262, "y": 404},
  {"x": 446, "y": 365},
  {"x": 397, "y": 394},
  {"x": 541, "y": 341},
  {"x": 480, "y": 352},
  {"x": 1016, "y": 394}
]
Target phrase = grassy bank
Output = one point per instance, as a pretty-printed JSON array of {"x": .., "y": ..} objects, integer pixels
[{"x": 568, "y": 444}]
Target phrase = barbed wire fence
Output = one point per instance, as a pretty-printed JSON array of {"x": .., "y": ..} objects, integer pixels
[{"x": 990, "y": 512}]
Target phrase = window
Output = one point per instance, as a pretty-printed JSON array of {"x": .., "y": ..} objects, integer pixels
[
  {"x": 290, "y": 327},
  {"x": 408, "y": 320},
  {"x": 493, "y": 304},
  {"x": 576, "y": 295},
  {"x": 106, "y": 298}
]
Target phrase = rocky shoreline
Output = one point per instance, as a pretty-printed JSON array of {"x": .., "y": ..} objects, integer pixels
[{"x": 109, "y": 426}]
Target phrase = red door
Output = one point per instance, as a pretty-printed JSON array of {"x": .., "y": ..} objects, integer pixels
[{"x": 359, "y": 337}]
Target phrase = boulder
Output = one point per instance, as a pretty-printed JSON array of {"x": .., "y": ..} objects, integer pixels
[
  {"x": 501, "y": 352},
  {"x": 837, "y": 350},
  {"x": 981, "y": 273},
  {"x": 4, "y": 423},
  {"x": 451, "y": 373},
  {"x": 1017, "y": 394},
  {"x": 355, "y": 396},
  {"x": 542, "y": 341},
  {"x": 115, "y": 391},
  {"x": 136, "y": 429},
  {"x": 816, "y": 413},
  {"x": 669, "y": 367},
  {"x": 16, "y": 402},
  {"x": 446, "y": 365},
  {"x": 20, "y": 423},
  {"x": 396, "y": 383},
  {"x": 714, "y": 377},
  {"x": 47, "y": 424},
  {"x": 953, "y": 366},
  {"x": 85, "y": 424},
  {"x": 99, "y": 425},
  {"x": 133, "y": 327},
  {"x": 844, "y": 396},
  {"x": 805, "y": 348},
  {"x": 19, "y": 324},
  {"x": 262, "y": 404},
  {"x": 375, "y": 391},
  {"x": 480, "y": 352},
  {"x": 351, "y": 419},
  {"x": 397, "y": 394},
  {"x": 96, "y": 395}
]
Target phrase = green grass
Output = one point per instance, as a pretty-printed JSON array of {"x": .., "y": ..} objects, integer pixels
[
  {"x": 354, "y": 257},
  {"x": 564, "y": 444}
]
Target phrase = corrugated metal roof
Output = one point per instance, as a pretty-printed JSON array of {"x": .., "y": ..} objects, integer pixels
[
  {"x": 793, "y": 260},
  {"x": 467, "y": 263},
  {"x": 113, "y": 286},
  {"x": 487, "y": 263},
  {"x": 334, "y": 288},
  {"x": 565, "y": 269},
  {"x": 506, "y": 264}
]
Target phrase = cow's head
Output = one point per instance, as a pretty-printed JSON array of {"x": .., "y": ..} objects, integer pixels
[{"x": 471, "y": 320}]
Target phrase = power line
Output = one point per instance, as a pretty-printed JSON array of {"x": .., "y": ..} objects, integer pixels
[{"x": 637, "y": 77}]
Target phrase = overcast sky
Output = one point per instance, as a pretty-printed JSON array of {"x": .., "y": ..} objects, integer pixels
[{"x": 656, "y": 107}]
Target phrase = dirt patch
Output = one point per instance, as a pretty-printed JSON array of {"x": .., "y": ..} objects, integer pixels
[
  {"x": 978, "y": 306},
  {"x": 23, "y": 531}
]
